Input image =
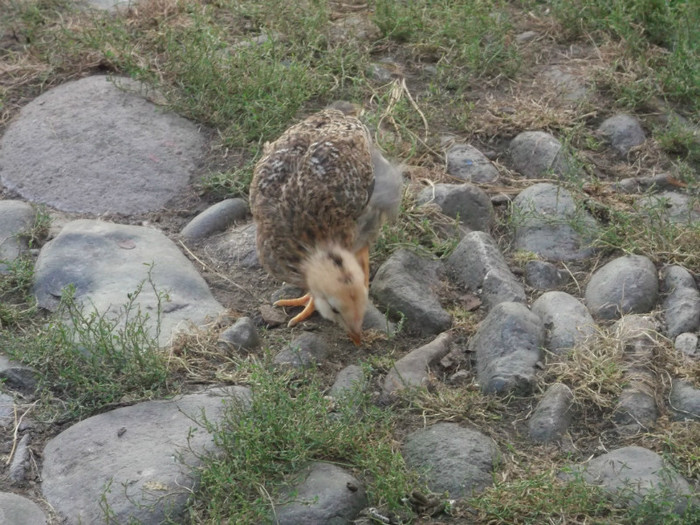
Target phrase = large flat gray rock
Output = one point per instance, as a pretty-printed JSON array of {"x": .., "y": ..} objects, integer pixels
[
  {"x": 88, "y": 146},
  {"x": 105, "y": 262},
  {"x": 137, "y": 460}
]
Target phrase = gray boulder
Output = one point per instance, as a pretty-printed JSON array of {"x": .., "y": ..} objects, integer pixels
[
  {"x": 681, "y": 305},
  {"x": 16, "y": 219},
  {"x": 635, "y": 473},
  {"x": 552, "y": 416},
  {"x": 348, "y": 379},
  {"x": 628, "y": 284},
  {"x": 477, "y": 263},
  {"x": 17, "y": 510},
  {"x": 507, "y": 346},
  {"x": 18, "y": 377},
  {"x": 406, "y": 284},
  {"x": 105, "y": 262},
  {"x": 623, "y": 132},
  {"x": 548, "y": 223},
  {"x": 7, "y": 410},
  {"x": 137, "y": 461},
  {"x": 242, "y": 336},
  {"x": 468, "y": 202},
  {"x": 685, "y": 400},
  {"x": 687, "y": 344},
  {"x": 536, "y": 154},
  {"x": 96, "y": 145},
  {"x": 321, "y": 494},
  {"x": 670, "y": 206},
  {"x": 566, "y": 320},
  {"x": 469, "y": 164},
  {"x": 452, "y": 458},
  {"x": 543, "y": 275},
  {"x": 304, "y": 351},
  {"x": 636, "y": 409}
]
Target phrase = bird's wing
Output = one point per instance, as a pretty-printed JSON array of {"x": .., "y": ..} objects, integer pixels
[{"x": 384, "y": 201}]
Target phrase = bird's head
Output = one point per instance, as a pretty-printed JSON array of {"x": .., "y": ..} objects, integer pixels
[{"x": 336, "y": 282}]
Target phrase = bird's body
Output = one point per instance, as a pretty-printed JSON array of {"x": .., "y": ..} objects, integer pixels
[{"x": 318, "y": 196}]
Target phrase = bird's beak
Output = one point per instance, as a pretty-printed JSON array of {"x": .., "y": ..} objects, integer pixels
[{"x": 356, "y": 337}]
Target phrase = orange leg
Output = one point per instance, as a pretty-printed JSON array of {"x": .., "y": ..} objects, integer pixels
[
  {"x": 362, "y": 257},
  {"x": 306, "y": 301}
]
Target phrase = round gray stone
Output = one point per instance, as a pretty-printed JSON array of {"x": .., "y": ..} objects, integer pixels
[
  {"x": 568, "y": 86},
  {"x": 634, "y": 473},
  {"x": 405, "y": 284},
  {"x": 623, "y": 132},
  {"x": 323, "y": 494},
  {"x": 468, "y": 163},
  {"x": 681, "y": 306},
  {"x": 348, "y": 379},
  {"x": 549, "y": 223},
  {"x": 543, "y": 275},
  {"x": 552, "y": 416},
  {"x": 507, "y": 346},
  {"x": 687, "y": 344},
  {"x": 628, "y": 284},
  {"x": 670, "y": 205},
  {"x": 303, "y": 352},
  {"x": 477, "y": 262},
  {"x": 236, "y": 247},
  {"x": 685, "y": 400},
  {"x": 88, "y": 146},
  {"x": 216, "y": 218},
  {"x": 17, "y": 510},
  {"x": 468, "y": 202},
  {"x": 536, "y": 154},
  {"x": 243, "y": 335},
  {"x": 452, "y": 458},
  {"x": 566, "y": 320}
]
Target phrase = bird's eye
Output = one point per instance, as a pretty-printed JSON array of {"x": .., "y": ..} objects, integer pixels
[{"x": 335, "y": 310}]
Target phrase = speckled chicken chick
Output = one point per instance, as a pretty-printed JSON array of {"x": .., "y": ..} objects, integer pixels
[{"x": 319, "y": 196}]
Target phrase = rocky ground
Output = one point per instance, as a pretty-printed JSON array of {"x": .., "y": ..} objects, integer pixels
[{"x": 523, "y": 283}]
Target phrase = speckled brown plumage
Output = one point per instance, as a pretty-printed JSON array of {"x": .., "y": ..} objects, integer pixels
[{"x": 309, "y": 190}]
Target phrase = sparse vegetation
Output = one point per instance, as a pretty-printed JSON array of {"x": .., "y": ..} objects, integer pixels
[
  {"x": 87, "y": 360},
  {"x": 246, "y": 69},
  {"x": 288, "y": 424}
]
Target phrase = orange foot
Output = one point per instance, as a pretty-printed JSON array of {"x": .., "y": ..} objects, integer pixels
[
  {"x": 306, "y": 301},
  {"x": 362, "y": 256}
]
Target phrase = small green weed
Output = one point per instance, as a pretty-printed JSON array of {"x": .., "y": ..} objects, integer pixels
[
  {"x": 289, "y": 423},
  {"x": 17, "y": 303},
  {"x": 647, "y": 230},
  {"x": 90, "y": 360},
  {"x": 539, "y": 498}
]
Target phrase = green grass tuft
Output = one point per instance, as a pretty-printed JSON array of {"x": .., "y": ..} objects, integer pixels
[
  {"x": 289, "y": 423},
  {"x": 90, "y": 360}
]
